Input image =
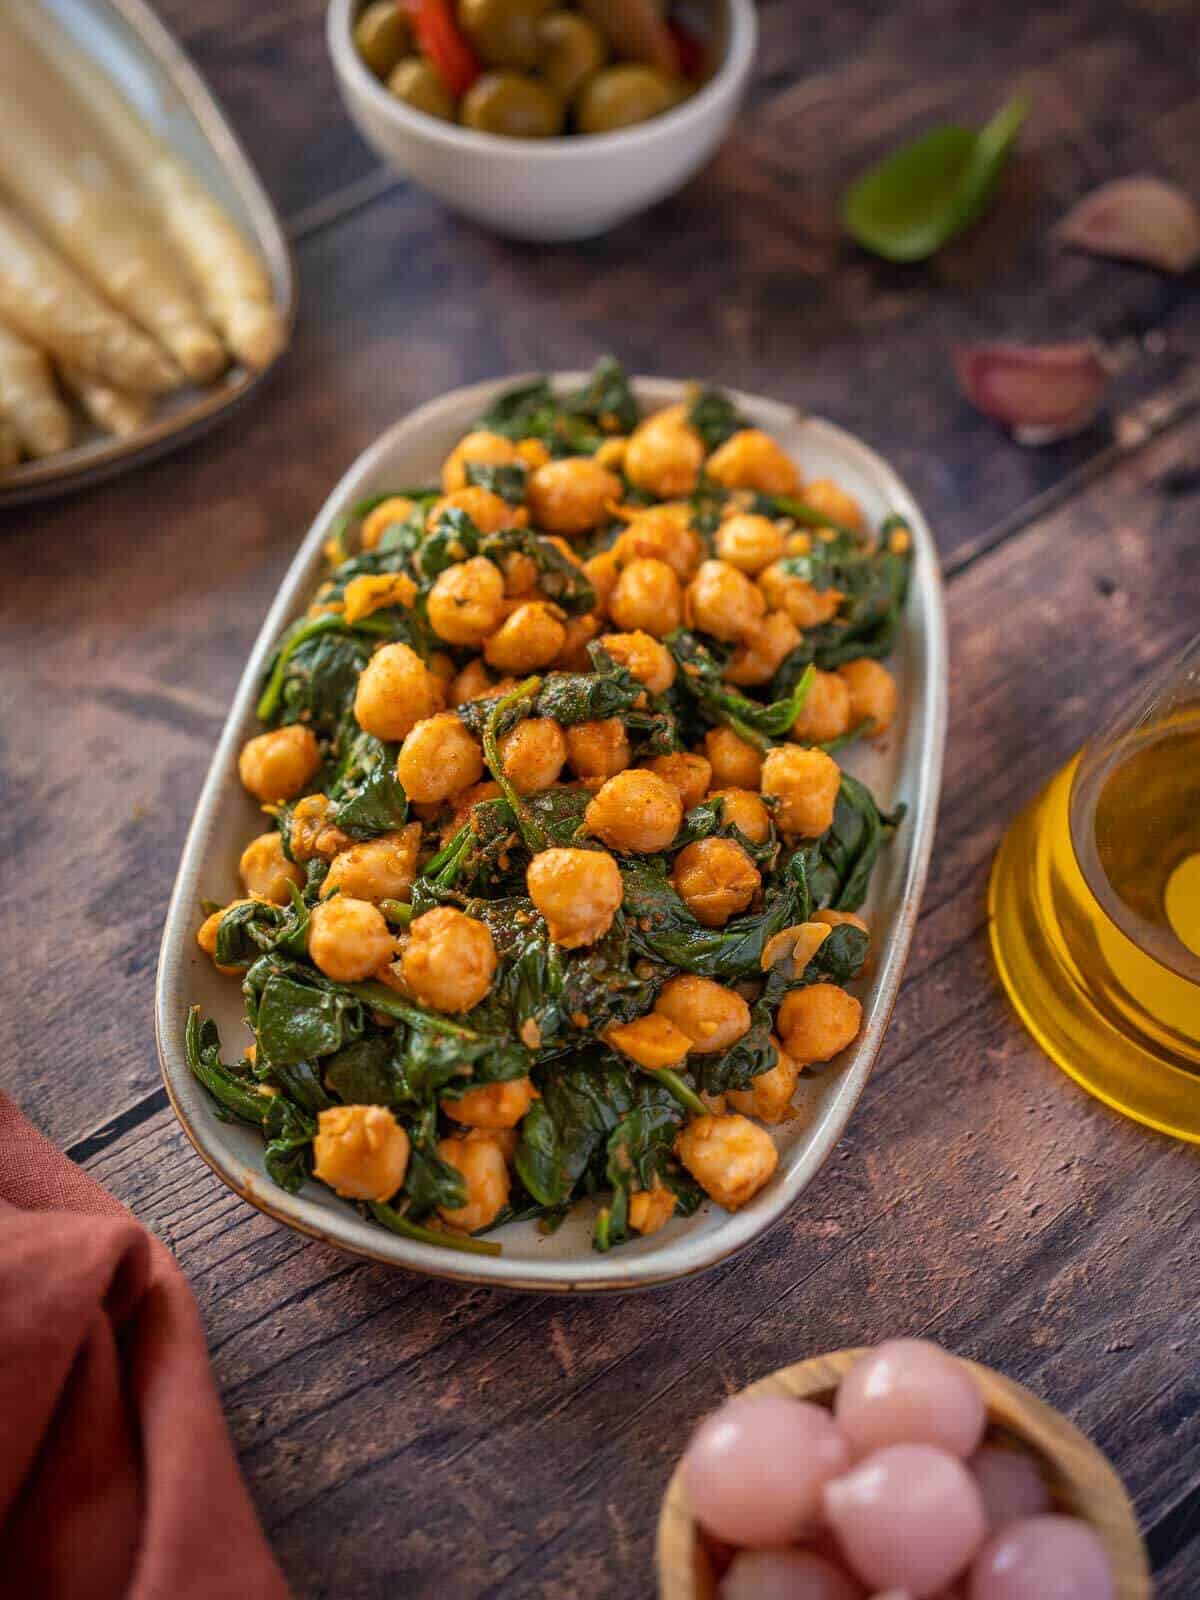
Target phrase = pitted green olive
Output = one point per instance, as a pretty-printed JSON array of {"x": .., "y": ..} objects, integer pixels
[
  {"x": 619, "y": 96},
  {"x": 381, "y": 36},
  {"x": 570, "y": 50},
  {"x": 416, "y": 83},
  {"x": 503, "y": 33},
  {"x": 510, "y": 103}
]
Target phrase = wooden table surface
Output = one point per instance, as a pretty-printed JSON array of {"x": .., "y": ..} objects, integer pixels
[{"x": 416, "y": 1438}]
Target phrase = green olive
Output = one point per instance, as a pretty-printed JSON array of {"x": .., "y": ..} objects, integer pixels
[
  {"x": 503, "y": 32},
  {"x": 512, "y": 104},
  {"x": 381, "y": 36},
  {"x": 416, "y": 83},
  {"x": 570, "y": 50},
  {"x": 620, "y": 96}
]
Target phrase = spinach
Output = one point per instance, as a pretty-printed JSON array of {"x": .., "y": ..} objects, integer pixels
[
  {"x": 701, "y": 675},
  {"x": 873, "y": 584},
  {"x": 843, "y": 859},
  {"x": 531, "y": 411},
  {"x": 431, "y": 1182},
  {"x": 251, "y": 927},
  {"x": 506, "y": 478},
  {"x": 233, "y": 1088},
  {"x": 289, "y": 1133},
  {"x": 314, "y": 666},
  {"x": 715, "y": 417},
  {"x": 640, "y": 1154},
  {"x": 571, "y": 697},
  {"x": 559, "y": 578},
  {"x": 366, "y": 1073},
  {"x": 662, "y": 928},
  {"x": 300, "y": 1081},
  {"x": 370, "y": 799},
  {"x": 606, "y": 399},
  {"x": 706, "y": 820},
  {"x": 296, "y": 1017},
  {"x": 453, "y": 538},
  {"x": 581, "y": 1103}
]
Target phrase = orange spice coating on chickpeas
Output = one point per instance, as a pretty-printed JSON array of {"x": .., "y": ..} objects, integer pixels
[
  {"x": 689, "y": 775},
  {"x": 438, "y": 758},
  {"x": 572, "y": 496},
  {"x": 805, "y": 784},
  {"x": 597, "y": 749},
  {"x": 735, "y": 763},
  {"x": 448, "y": 960},
  {"x": 577, "y": 891},
  {"x": 395, "y": 691},
  {"x": 665, "y": 454},
  {"x": 277, "y": 765},
  {"x": 818, "y": 1022},
  {"x": 715, "y": 879},
  {"x": 647, "y": 598},
  {"x": 636, "y": 811}
]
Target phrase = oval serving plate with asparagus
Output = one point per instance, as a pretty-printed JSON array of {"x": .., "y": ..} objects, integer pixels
[
  {"x": 145, "y": 282},
  {"x": 553, "y": 1035}
]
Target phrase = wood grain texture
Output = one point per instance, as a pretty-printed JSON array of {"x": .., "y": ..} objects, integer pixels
[
  {"x": 404, "y": 1434},
  {"x": 1081, "y": 1482}
]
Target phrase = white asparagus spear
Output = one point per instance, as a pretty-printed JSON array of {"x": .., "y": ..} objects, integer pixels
[
  {"x": 228, "y": 271},
  {"x": 10, "y": 446},
  {"x": 46, "y": 302},
  {"x": 117, "y": 411},
  {"x": 28, "y": 398},
  {"x": 55, "y": 166}
]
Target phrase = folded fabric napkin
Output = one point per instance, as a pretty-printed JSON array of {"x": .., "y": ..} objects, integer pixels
[{"x": 117, "y": 1475}]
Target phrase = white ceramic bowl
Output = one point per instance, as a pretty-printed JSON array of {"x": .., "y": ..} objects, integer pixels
[
  {"x": 547, "y": 189},
  {"x": 905, "y": 767}
]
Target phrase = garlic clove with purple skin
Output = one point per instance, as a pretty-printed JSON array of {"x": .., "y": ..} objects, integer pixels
[
  {"x": 1137, "y": 219},
  {"x": 1041, "y": 392}
]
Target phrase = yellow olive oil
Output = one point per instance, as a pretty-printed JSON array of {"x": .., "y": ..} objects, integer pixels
[{"x": 1095, "y": 920}]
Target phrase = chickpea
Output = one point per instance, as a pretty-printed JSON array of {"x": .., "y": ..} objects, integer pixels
[
  {"x": 349, "y": 939},
  {"x": 376, "y": 592},
  {"x": 826, "y": 713},
  {"x": 573, "y": 657},
  {"x": 806, "y": 784},
  {"x": 572, "y": 496},
  {"x": 769, "y": 1095},
  {"x": 520, "y": 575},
  {"x": 647, "y": 598},
  {"x": 836, "y": 919},
  {"x": 448, "y": 960},
  {"x": 266, "y": 872},
  {"x": 749, "y": 542},
  {"x": 752, "y": 460},
  {"x": 651, "y": 1209},
  {"x": 689, "y": 775},
  {"x": 872, "y": 691},
  {"x": 715, "y": 879},
  {"x": 636, "y": 811},
  {"x": 490, "y": 512},
  {"x": 533, "y": 754},
  {"x": 799, "y": 944},
  {"x": 396, "y": 508},
  {"x": 577, "y": 891},
  {"x": 602, "y": 571},
  {"x": 493, "y": 1105},
  {"x": 307, "y": 824},
  {"x": 466, "y": 602},
  {"x": 723, "y": 602},
  {"x": 506, "y": 1140},
  {"x": 530, "y": 638},
  {"x": 396, "y": 690},
  {"x": 735, "y": 763},
  {"x": 361, "y": 1152},
  {"x": 485, "y": 1171},
  {"x": 474, "y": 682},
  {"x": 823, "y": 495},
  {"x": 665, "y": 454},
  {"x": 438, "y": 758},
  {"x": 652, "y": 1041},
  {"x": 818, "y": 1022},
  {"x": 277, "y": 765},
  {"x": 745, "y": 810},
  {"x": 730, "y": 1157},
  {"x": 759, "y": 658},
  {"x": 611, "y": 453},
  {"x": 489, "y": 449},
  {"x": 807, "y": 606},
  {"x": 662, "y": 533},
  {"x": 713, "y": 1017},
  {"x": 598, "y": 749},
  {"x": 533, "y": 453},
  {"x": 377, "y": 869},
  {"x": 644, "y": 657}
]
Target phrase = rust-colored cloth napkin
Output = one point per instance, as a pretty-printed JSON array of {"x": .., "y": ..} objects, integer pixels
[{"x": 117, "y": 1477}]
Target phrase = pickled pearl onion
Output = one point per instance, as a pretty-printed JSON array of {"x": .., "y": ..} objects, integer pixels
[
  {"x": 1011, "y": 1486},
  {"x": 908, "y": 1517},
  {"x": 1042, "y": 1558},
  {"x": 908, "y": 1391},
  {"x": 786, "y": 1575},
  {"x": 754, "y": 1469}
]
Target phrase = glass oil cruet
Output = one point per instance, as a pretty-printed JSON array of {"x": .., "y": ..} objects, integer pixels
[{"x": 1094, "y": 908}]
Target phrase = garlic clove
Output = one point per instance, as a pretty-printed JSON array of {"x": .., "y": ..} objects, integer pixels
[
  {"x": 1041, "y": 392},
  {"x": 1137, "y": 219}
]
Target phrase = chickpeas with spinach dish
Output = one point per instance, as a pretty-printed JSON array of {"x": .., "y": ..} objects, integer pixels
[
  {"x": 527, "y": 69},
  {"x": 548, "y": 897}
]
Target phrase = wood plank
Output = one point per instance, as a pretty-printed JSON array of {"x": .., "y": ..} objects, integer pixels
[{"x": 396, "y": 1431}]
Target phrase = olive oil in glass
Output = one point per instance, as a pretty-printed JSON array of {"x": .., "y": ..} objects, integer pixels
[{"x": 1095, "y": 909}]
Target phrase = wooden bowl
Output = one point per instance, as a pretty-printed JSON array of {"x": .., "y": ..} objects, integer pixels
[{"x": 1081, "y": 1480}]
